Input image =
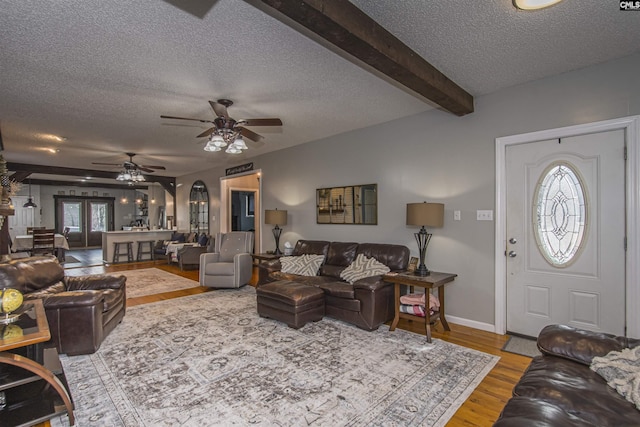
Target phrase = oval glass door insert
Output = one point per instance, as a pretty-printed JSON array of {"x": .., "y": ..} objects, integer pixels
[{"x": 560, "y": 216}]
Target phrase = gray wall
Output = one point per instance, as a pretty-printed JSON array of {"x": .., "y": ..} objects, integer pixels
[{"x": 438, "y": 157}]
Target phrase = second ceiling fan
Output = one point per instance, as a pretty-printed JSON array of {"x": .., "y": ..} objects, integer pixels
[{"x": 226, "y": 131}]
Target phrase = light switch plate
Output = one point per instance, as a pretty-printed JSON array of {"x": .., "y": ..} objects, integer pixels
[
  {"x": 484, "y": 215},
  {"x": 456, "y": 215}
]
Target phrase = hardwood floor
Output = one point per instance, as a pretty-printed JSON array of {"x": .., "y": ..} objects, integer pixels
[{"x": 482, "y": 408}]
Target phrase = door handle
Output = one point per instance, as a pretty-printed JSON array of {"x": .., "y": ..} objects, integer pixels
[
  {"x": 512, "y": 254},
  {"x": 513, "y": 241}
]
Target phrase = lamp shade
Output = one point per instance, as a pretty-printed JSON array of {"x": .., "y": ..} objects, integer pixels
[
  {"x": 534, "y": 4},
  {"x": 425, "y": 214},
  {"x": 275, "y": 217}
]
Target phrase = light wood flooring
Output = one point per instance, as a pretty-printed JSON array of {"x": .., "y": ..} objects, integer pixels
[{"x": 482, "y": 408}]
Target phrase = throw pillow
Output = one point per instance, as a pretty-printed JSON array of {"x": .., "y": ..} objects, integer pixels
[
  {"x": 363, "y": 267},
  {"x": 303, "y": 265},
  {"x": 621, "y": 370},
  {"x": 203, "y": 240}
]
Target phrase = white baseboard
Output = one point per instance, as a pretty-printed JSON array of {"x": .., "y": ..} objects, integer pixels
[{"x": 471, "y": 323}]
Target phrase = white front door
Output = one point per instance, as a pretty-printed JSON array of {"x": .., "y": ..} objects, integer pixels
[
  {"x": 23, "y": 217},
  {"x": 565, "y": 225}
]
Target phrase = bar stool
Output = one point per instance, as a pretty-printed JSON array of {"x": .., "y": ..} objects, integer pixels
[
  {"x": 117, "y": 251},
  {"x": 148, "y": 250}
]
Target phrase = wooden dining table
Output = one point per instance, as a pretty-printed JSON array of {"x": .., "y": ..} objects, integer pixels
[{"x": 25, "y": 243}]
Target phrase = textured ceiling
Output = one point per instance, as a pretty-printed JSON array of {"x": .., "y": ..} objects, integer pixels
[{"x": 100, "y": 73}]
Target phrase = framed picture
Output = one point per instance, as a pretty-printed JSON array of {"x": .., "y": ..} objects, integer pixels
[
  {"x": 105, "y": 194},
  {"x": 61, "y": 193},
  {"x": 72, "y": 192},
  {"x": 85, "y": 193},
  {"x": 95, "y": 194},
  {"x": 413, "y": 264}
]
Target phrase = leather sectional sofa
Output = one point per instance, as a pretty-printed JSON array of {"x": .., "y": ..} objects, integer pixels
[
  {"x": 559, "y": 389},
  {"x": 81, "y": 311},
  {"x": 368, "y": 302}
]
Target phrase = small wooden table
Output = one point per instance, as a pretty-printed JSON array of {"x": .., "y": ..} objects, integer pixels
[
  {"x": 432, "y": 281},
  {"x": 35, "y": 330}
]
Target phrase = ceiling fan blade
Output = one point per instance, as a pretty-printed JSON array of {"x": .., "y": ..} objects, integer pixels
[
  {"x": 219, "y": 109},
  {"x": 207, "y": 132},
  {"x": 262, "y": 122},
  {"x": 152, "y": 167},
  {"x": 106, "y": 164},
  {"x": 185, "y": 118},
  {"x": 142, "y": 168},
  {"x": 250, "y": 134}
]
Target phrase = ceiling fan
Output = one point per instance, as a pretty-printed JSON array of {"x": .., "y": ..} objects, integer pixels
[
  {"x": 226, "y": 131},
  {"x": 131, "y": 171}
]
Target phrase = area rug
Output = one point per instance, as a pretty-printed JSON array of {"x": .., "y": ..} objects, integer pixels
[
  {"x": 522, "y": 346},
  {"x": 209, "y": 359},
  {"x": 149, "y": 281}
]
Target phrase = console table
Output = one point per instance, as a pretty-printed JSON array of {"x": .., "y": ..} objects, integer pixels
[
  {"x": 432, "y": 281},
  {"x": 29, "y": 363}
]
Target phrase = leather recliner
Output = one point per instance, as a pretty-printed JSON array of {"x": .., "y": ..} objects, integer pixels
[{"x": 81, "y": 311}]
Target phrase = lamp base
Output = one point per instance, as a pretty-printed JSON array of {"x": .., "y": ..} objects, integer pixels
[{"x": 422, "y": 271}]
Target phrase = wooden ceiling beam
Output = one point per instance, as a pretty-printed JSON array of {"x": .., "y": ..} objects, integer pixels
[
  {"x": 348, "y": 28},
  {"x": 24, "y": 170}
]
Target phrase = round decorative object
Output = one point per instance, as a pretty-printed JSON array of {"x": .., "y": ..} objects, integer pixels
[
  {"x": 10, "y": 331},
  {"x": 10, "y": 300}
]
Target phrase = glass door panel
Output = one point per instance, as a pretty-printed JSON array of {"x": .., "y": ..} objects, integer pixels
[
  {"x": 72, "y": 217},
  {"x": 98, "y": 221}
]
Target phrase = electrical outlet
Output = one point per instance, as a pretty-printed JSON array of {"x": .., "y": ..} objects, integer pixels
[
  {"x": 456, "y": 215},
  {"x": 484, "y": 215}
]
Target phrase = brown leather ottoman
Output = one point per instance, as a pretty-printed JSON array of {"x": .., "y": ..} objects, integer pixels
[{"x": 292, "y": 303}]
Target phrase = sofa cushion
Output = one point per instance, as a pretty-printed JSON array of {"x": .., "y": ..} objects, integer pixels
[
  {"x": 203, "y": 240},
  {"x": 396, "y": 257},
  {"x": 191, "y": 237},
  {"x": 338, "y": 289},
  {"x": 318, "y": 247},
  {"x": 363, "y": 267},
  {"x": 219, "y": 269},
  {"x": 577, "y": 390},
  {"x": 308, "y": 280},
  {"x": 304, "y": 265}
]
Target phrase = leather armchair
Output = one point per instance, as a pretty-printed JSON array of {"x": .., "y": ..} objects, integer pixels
[
  {"x": 81, "y": 311},
  {"x": 230, "y": 265}
]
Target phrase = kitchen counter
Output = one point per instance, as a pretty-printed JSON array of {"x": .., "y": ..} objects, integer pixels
[{"x": 111, "y": 237}]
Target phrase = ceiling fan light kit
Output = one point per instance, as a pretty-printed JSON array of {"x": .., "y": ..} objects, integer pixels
[
  {"x": 228, "y": 132},
  {"x": 534, "y": 4},
  {"x": 131, "y": 172}
]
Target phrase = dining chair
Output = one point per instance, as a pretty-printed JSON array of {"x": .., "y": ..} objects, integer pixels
[
  {"x": 44, "y": 242},
  {"x": 30, "y": 229}
]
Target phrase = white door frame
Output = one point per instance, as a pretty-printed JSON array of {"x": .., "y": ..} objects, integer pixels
[{"x": 631, "y": 127}]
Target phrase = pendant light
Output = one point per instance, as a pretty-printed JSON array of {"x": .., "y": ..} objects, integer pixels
[{"x": 30, "y": 203}]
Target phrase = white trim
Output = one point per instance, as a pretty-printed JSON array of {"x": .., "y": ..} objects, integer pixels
[
  {"x": 471, "y": 323},
  {"x": 631, "y": 126}
]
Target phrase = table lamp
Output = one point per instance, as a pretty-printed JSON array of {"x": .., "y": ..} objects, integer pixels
[
  {"x": 425, "y": 215},
  {"x": 278, "y": 218}
]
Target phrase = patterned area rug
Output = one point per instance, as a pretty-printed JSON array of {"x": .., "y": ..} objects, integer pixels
[
  {"x": 149, "y": 281},
  {"x": 209, "y": 359}
]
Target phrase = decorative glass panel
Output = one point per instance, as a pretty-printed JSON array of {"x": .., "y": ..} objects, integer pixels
[{"x": 560, "y": 214}]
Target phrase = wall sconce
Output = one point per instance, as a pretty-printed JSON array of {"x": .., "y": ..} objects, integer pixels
[{"x": 425, "y": 215}]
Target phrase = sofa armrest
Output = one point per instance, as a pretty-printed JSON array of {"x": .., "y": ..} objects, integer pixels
[
  {"x": 72, "y": 299},
  {"x": 208, "y": 257},
  {"x": 580, "y": 345},
  {"x": 94, "y": 282},
  {"x": 371, "y": 283}
]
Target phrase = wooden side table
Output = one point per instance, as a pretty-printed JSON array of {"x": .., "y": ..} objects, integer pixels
[
  {"x": 263, "y": 273},
  {"x": 432, "y": 281},
  {"x": 27, "y": 409}
]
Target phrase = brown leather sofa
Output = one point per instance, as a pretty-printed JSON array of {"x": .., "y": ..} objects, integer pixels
[
  {"x": 559, "y": 389},
  {"x": 368, "y": 302},
  {"x": 81, "y": 311}
]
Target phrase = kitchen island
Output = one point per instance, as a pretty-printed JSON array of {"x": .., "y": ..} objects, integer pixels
[{"x": 135, "y": 236}]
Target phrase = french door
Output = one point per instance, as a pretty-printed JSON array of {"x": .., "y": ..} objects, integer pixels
[{"x": 86, "y": 219}]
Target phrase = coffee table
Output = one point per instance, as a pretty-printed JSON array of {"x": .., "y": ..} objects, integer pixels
[{"x": 32, "y": 392}]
